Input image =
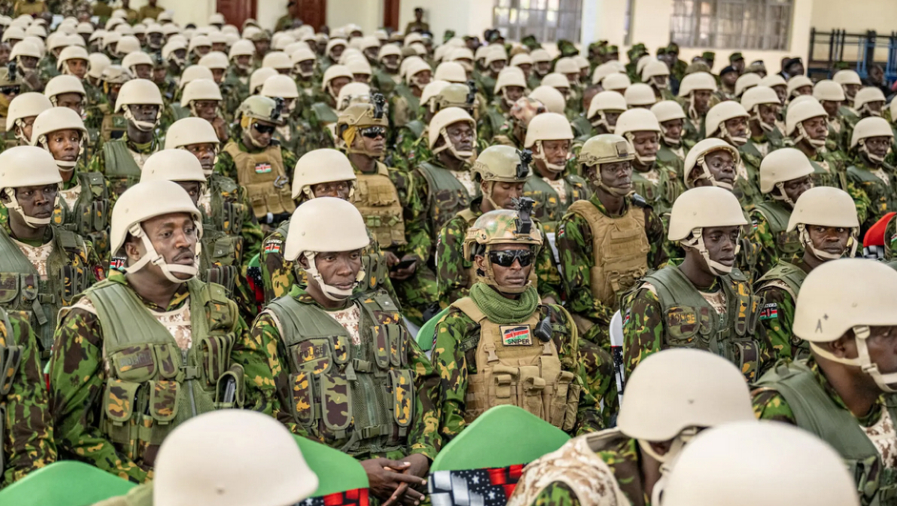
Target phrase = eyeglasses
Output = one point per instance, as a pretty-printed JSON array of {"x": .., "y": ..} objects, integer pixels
[
  {"x": 506, "y": 258},
  {"x": 9, "y": 90},
  {"x": 263, "y": 129},
  {"x": 374, "y": 132}
]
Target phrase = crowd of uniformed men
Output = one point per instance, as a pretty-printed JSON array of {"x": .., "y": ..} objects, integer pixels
[{"x": 198, "y": 218}]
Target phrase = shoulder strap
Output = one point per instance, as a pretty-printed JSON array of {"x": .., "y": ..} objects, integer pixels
[
  {"x": 775, "y": 215},
  {"x": 323, "y": 113},
  {"x": 112, "y": 302},
  {"x": 119, "y": 161},
  {"x": 467, "y": 215},
  {"x": 469, "y": 308},
  {"x": 417, "y": 127}
]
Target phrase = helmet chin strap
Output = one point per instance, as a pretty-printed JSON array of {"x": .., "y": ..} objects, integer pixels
[
  {"x": 669, "y": 140},
  {"x": 602, "y": 121},
  {"x": 804, "y": 236},
  {"x": 331, "y": 292},
  {"x": 668, "y": 460},
  {"x": 782, "y": 196},
  {"x": 597, "y": 181},
  {"x": 64, "y": 165},
  {"x": 886, "y": 382},
  {"x": 869, "y": 111},
  {"x": 450, "y": 146},
  {"x": 706, "y": 174},
  {"x": 646, "y": 161},
  {"x": 143, "y": 126},
  {"x": 872, "y": 157},
  {"x": 20, "y": 132},
  {"x": 29, "y": 220},
  {"x": 696, "y": 241},
  {"x": 802, "y": 134},
  {"x": 553, "y": 167},
  {"x": 151, "y": 256},
  {"x": 767, "y": 127},
  {"x": 660, "y": 86},
  {"x": 731, "y": 139},
  {"x": 253, "y": 140}
]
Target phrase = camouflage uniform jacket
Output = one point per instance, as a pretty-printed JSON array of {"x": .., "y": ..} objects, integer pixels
[
  {"x": 27, "y": 437},
  {"x": 78, "y": 377},
  {"x": 492, "y": 124},
  {"x": 453, "y": 271},
  {"x": 98, "y": 162},
  {"x": 454, "y": 358},
  {"x": 423, "y": 436},
  {"x": 882, "y": 196},
  {"x": 777, "y": 315},
  {"x": 574, "y": 242},
  {"x": 505, "y": 136},
  {"x": 226, "y": 167},
  {"x": 234, "y": 91},
  {"x": 771, "y": 242}
]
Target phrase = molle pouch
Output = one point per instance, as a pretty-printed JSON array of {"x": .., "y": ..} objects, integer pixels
[
  {"x": 100, "y": 211},
  {"x": 302, "y": 401},
  {"x": 2, "y": 431},
  {"x": 381, "y": 195},
  {"x": 403, "y": 396},
  {"x": 9, "y": 287},
  {"x": 119, "y": 406},
  {"x": 504, "y": 385},
  {"x": 705, "y": 318},
  {"x": 83, "y": 216},
  {"x": 529, "y": 389},
  {"x": 397, "y": 352},
  {"x": 135, "y": 363},
  {"x": 258, "y": 200},
  {"x": 227, "y": 220},
  {"x": 558, "y": 399},
  {"x": 100, "y": 240},
  {"x": 340, "y": 345},
  {"x": 230, "y": 391},
  {"x": 745, "y": 310},
  {"x": 10, "y": 358},
  {"x": 70, "y": 282},
  {"x": 163, "y": 402},
  {"x": 336, "y": 402},
  {"x": 746, "y": 355},
  {"x": 215, "y": 350},
  {"x": 381, "y": 345},
  {"x": 286, "y": 199},
  {"x": 313, "y": 355},
  {"x": 168, "y": 360},
  {"x": 682, "y": 326},
  {"x": 572, "y": 406},
  {"x": 58, "y": 218}
]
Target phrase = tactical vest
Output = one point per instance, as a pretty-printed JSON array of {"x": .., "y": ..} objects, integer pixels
[
  {"x": 470, "y": 218},
  {"x": 691, "y": 322},
  {"x": 818, "y": 414},
  {"x": 417, "y": 128},
  {"x": 789, "y": 278},
  {"x": 883, "y": 197},
  {"x": 548, "y": 208},
  {"x": 264, "y": 177},
  {"x": 651, "y": 191},
  {"x": 377, "y": 199},
  {"x": 447, "y": 195},
  {"x": 153, "y": 386},
  {"x": 358, "y": 398},
  {"x": 10, "y": 359},
  {"x": 787, "y": 243},
  {"x": 514, "y": 367},
  {"x": 323, "y": 114},
  {"x": 222, "y": 240},
  {"x": 746, "y": 189},
  {"x": 122, "y": 168},
  {"x": 620, "y": 247},
  {"x": 89, "y": 216},
  {"x": 22, "y": 290},
  {"x": 405, "y": 92},
  {"x": 826, "y": 174},
  {"x": 113, "y": 127}
]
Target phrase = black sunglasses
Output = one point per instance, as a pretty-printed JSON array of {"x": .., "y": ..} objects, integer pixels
[
  {"x": 9, "y": 90},
  {"x": 374, "y": 132},
  {"x": 506, "y": 258},
  {"x": 263, "y": 129}
]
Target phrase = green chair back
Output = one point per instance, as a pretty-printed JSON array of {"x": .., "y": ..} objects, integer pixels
[
  {"x": 428, "y": 330},
  {"x": 255, "y": 261},
  {"x": 64, "y": 483},
  {"x": 502, "y": 436},
  {"x": 337, "y": 471}
]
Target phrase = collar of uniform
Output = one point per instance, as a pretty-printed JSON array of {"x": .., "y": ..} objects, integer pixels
[
  {"x": 597, "y": 203},
  {"x": 359, "y": 171},
  {"x": 303, "y": 297},
  {"x": 73, "y": 182},
  {"x": 759, "y": 140},
  {"x": 140, "y": 148},
  {"x": 4, "y": 223},
  {"x": 180, "y": 296},
  {"x": 475, "y": 204},
  {"x": 865, "y": 420}
]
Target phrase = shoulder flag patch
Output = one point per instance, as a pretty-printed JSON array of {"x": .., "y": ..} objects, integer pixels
[
  {"x": 273, "y": 246},
  {"x": 769, "y": 311}
]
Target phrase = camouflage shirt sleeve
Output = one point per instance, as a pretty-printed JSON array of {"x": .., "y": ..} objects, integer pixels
[
  {"x": 225, "y": 166},
  {"x": 860, "y": 199},
  {"x": 777, "y": 317},
  {"x": 277, "y": 273},
  {"x": 77, "y": 378},
  {"x": 574, "y": 243},
  {"x": 761, "y": 237},
  {"x": 657, "y": 255},
  {"x": 289, "y": 161},
  {"x": 257, "y": 379},
  {"x": 98, "y": 162},
  {"x": 550, "y": 284},
  {"x": 452, "y": 268},
  {"x": 451, "y": 364},
  {"x": 769, "y": 404},
  {"x": 28, "y": 437},
  {"x": 252, "y": 231},
  {"x": 424, "y": 437},
  {"x": 642, "y": 329},
  {"x": 417, "y": 231},
  {"x": 556, "y": 494}
]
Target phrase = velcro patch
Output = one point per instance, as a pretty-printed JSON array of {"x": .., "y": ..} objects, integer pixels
[
  {"x": 516, "y": 335},
  {"x": 273, "y": 246},
  {"x": 628, "y": 315},
  {"x": 262, "y": 168},
  {"x": 769, "y": 311}
]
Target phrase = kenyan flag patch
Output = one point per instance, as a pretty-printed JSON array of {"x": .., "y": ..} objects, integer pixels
[
  {"x": 769, "y": 311},
  {"x": 273, "y": 246},
  {"x": 516, "y": 335},
  {"x": 262, "y": 168}
]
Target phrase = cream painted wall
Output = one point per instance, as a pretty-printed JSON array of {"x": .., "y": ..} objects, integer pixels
[
  {"x": 366, "y": 13},
  {"x": 465, "y": 17},
  {"x": 855, "y": 17}
]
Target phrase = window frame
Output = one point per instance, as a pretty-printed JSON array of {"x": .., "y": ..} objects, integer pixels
[
  {"x": 567, "y": 22},
  {"x": 762, "y": 25}
]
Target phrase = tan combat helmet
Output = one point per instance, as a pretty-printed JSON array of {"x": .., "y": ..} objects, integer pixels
[
  {"x": 299, "y": 56},
  {"x": 241, "y": 47},
  {"x": 548, "y": 126},
  {"x": 781, "y": 166},
  {"x": 135, "y": 58},
  {"x": 258, "y": 78},
  {"x": 825, "y": 207},
  {"x": 97, "y": 63},
  {"x": 850, "y": 82},
  {"x": 139, "y": 92},
  {"x": 26, "y": 105},
  {"x": 455, "y": 95},
  {"x": 696, "y": 158},
  {"x": 726, "y": 465},
  {"x": 321, "y": 166},
  {"x": 312, "y": 231},
  {"x": 450, "y": 71},
  {"x": 333, "y": 72},
  {"x": 637, "y": 120},
  {"x": 194, "y": 72},
  {"x": 360, "y": 115},
  {"x": 829, "y": 91},
  {"x": 389, "y": 50},
  {"x": 640, "y": 95},
  {"x": 602, "y": 71},
  {"x": 656, "y": 73},
  {"x": 54, "y": 120},
  {"x": 553, "y": 100},
  {"x": 695, "y": 82},
  {"x": 189, "y": 131},
  {"x": 193, "y": 467},
  {"x": 870, "y": 127},
  {"x": 603, "y": 103},
  {"x": 142, "y": 202},
  {"x": 352, "y": 92},
  {"x": 501, "y": 164},
  {"x": 71, "y": 53},
  {"x": 281, "y": 86},
  {"x": 866, "y": 296},
  {"x": 797, "y": 114},
  {"x": 700, "y": 208},
  {"x": 200, "y": 89},
  {"x": 616, "y": 82},
  {"x": 674, "y": 394},
  {"x": 795, "y": 84},
  {"x": 262, "y": 108},
  {"x": 23, "y": 49},
  {"x": 437, "y": 129},
  {"x": 757, "y": 96},
  {"x": 746, "y": 82},
  {"x": 509, "y": 76},
  {"x": 413, "y": 71},
  {"x": 605, "y": 148},
  {"x": 668, "y": 110},
  {"x": 866, "y": 96},
  {"x": 429, "y": 93},
  {"x": 717, "y": 117},
  {"x": 558, "y": 82},
  {"x": 501, "y": 227},
  {"x": 177, "y": 165},
  {"x": 22, "y": 166}
]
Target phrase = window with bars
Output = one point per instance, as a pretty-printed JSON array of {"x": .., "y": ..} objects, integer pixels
[
  {"x": 732, "y": 24},
  {"x": 547, "y": 20}
]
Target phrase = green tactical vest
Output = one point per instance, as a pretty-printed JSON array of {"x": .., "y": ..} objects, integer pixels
[
  {"x": 384, "y": 82},
  {"x": 89, "y": 216},
  {"x": 122, "y": 170},
  {"x": 691, "y": 322},
  {"x": 834, "y": 177},
  {"x": 548, "y": 208},
  {"x": 792, "y": 277},
  {"x": 404, "y": 91},
  {"x": 788, "y": 243},
  {"x": 667, "y": 157},
  {"x": 883, "y": 197},
  {"x": 581, "y": 127},
  {"x": 22, "y": 290},
  {"x": 446, "y": 197},
  {"x": 323, "y": 114},
  {"x": 496, "y": 120},
  {"x": 222, "y": 240},
  {"x": 416, "y": 127},
  {"x": 179, "y": 112},
  {"x": 10, "y": 358},
  {"x": 817, "y": 413},
  {"x": 152, "y": 385},
  {"x": 747, "y": 190},
  {"x": 358, "y": 398}
]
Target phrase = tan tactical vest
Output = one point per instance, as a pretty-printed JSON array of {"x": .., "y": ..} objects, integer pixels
[
  {"x": 265, "y": 179},
  {"x": 377, "y": 199},
  {"x": 620, "y": 246},
  {"x": 515, "y": 367}
]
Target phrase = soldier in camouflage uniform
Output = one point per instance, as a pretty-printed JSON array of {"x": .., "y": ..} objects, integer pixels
[
  {"x": 235, "y": 87},
  {"x": 509, "y": 89},
  {"x": 386, "y": 77},
  {"x": 589, "y": 256},
  {"x": 495, "y": 59},
  {"x": 657, "y": 75},
  {"x": 402, "y": 434},
  {"x": 501, "y": 172},
  {"x": 704, "y": 294},
  {"x": 671, "y": 153},
  {"x": 502, "y": 324},
  {"x": 830, "y": 95},
  {"x": 513, "y": 130},
  {"x": 825, "y": 225},
  {"x": 659, "y": 186},
  {"x": 658, "y": 419},
  {"x": 843, "y": 393},
  {"x": 869, "y": 102},
  {"x": 729, "y": 121},
  {"x": 784, "y": 176},
  {"x": 121, "y": 160},
  {"x": 695, "y": 91},
  {"x": 323, "y": 113},
  {"x": 258, "y": 163},
  {"x": 604, "y": 110},
  {"x": 303, "y": 73},
  {"x": 408, "y": 139},
  {"x": 68, "y": 91},
  {"x": 869, "y": 145},
  {"x": 125, "y": 321},
  {"x": 405, "y": 103},
  {"x": 202, "y": 99},
  {"x": 319, "y": 173},
  {"x": 289, "y": 133},
  {"x": 23, "y": 110},
  {"x": 762, "y": 105}
]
